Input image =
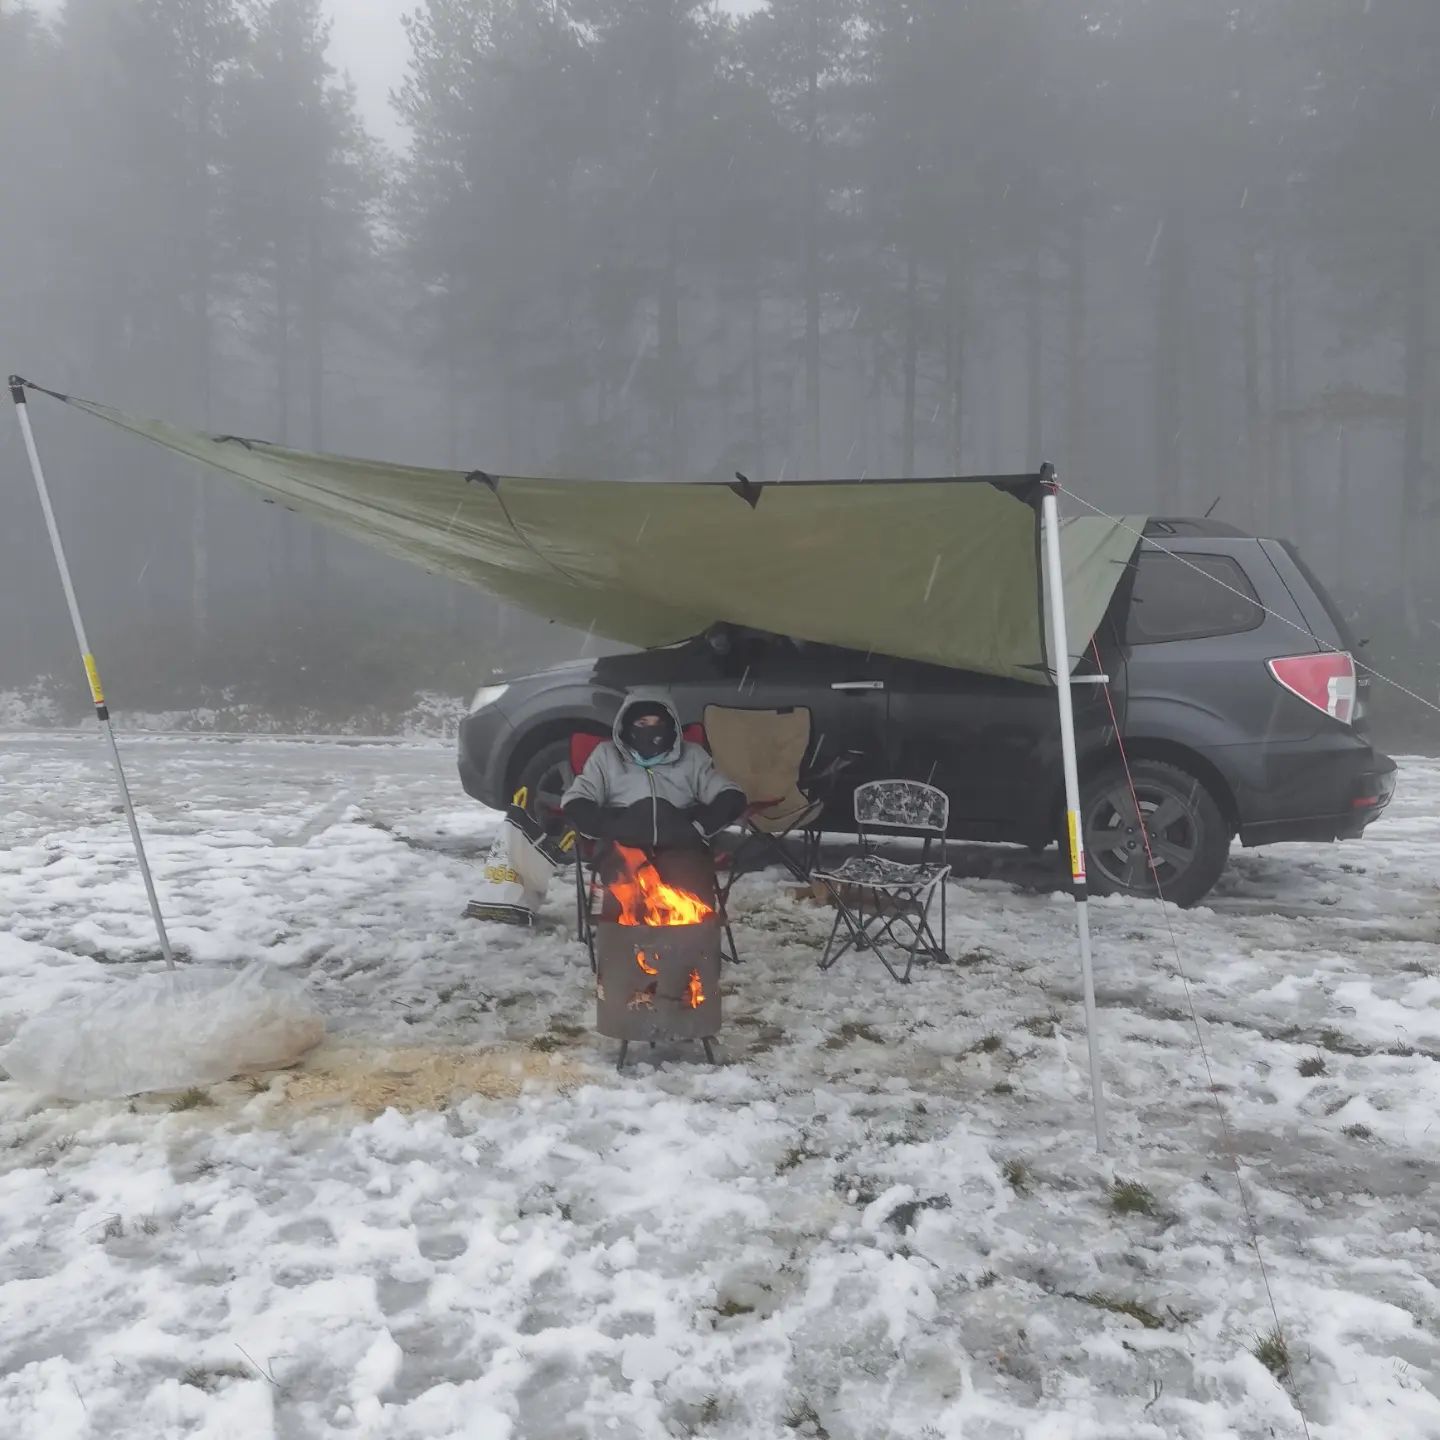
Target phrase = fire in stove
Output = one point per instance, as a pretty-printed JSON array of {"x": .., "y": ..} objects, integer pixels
[
  {"x": 657, "y": 958},
  {"x": 645, "y": 899}
]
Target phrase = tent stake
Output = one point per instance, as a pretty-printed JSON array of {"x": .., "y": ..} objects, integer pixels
[
  {"x": 1060, "y": 660},
  {"x": 92, "y": 673}
]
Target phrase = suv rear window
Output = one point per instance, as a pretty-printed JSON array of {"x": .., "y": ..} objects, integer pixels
[{"x": 1178, "y": 598}]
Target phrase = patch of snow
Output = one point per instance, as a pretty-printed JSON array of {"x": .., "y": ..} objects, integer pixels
[{"x": 883, "y": 1217}]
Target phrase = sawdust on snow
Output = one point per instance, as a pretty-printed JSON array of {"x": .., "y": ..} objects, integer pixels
[{"x": 411, "y": 1078}]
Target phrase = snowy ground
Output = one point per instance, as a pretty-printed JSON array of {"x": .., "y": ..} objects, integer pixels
[{"x": 883, "y": 1218}]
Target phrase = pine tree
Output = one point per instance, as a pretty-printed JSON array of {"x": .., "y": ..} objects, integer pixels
[{"x": 304, "y": 183}]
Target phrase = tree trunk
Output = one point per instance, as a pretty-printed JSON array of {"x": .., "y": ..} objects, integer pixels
[
  {"x": 912, "y": 355},
  {"x": 1341, "y": 529},
  {"x": 955, "y": 361},
  {"x": 1275, "y": 433},
  {"x": 812, "y": 246},
  {"x": 200, "y": 493},
  {"x": 757, "y": 381},
  {"x": 203, "y": 283},
  {"x": 282, "y": 554},
  {"x": 1034, "y": 360},
  {"x": 1257, "y": 505},
  {"x": 1170, "y": 316},
  {"x": 669, "y": 298},
  {"x": 1417, "y": 384},
  {"x": 881, "y": 447},
  {"x": 283, "y": 287},
  {"x": 1299, "y": 513},
  {"x": 314, "y": 321},
  {"x": 1077, "y": 398},
  {"x": 452, "y": 390}
]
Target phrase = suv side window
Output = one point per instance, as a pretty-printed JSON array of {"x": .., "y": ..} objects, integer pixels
[{"x": 1177, "y": 598}]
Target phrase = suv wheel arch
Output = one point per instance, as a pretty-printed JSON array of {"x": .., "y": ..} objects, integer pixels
[
  {"x": 539, "y": 739},
  {"x": 1166, "y": 752}
]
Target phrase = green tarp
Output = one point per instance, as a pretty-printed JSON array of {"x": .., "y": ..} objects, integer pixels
[{"x": 946, "y": 571}]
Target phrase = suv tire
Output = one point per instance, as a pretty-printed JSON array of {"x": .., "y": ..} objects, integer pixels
[
  {"x": 546, "y": 774},
  {"x": 1189, "y": 836}
]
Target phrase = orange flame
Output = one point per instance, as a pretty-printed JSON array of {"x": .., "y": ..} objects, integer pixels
[
  {"x": 696, "y": 991},
  {"x": 645, "y": 899},
  {"x": 648, "y": 969}
]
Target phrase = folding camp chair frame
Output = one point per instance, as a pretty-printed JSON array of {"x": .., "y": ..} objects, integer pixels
[
  {"x": 898, "y": 900},
  {"x": 753, "y": 839}
]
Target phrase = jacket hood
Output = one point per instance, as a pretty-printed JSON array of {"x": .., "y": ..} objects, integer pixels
[{"x": 649, "y": 697}]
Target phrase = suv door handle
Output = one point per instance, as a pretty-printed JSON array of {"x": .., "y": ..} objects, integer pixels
[{"x": 858, "y": 685}]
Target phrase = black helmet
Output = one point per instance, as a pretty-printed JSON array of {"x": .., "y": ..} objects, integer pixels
[{"x": 648, "y": 741}]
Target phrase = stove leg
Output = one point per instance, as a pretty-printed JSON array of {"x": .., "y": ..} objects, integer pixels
[
  {"x": 709, "y": 1045},
  {"x": 624, "y": 1051}
]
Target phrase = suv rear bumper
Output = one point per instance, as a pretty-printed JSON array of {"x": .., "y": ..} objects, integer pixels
[{"x": 1336, "y": 803}]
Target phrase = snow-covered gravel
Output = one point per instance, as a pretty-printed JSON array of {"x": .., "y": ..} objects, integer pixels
[{"x": 883, "y": 1218}]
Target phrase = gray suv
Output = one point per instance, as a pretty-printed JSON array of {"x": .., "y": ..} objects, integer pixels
[{"x": 1232, "y": 679}]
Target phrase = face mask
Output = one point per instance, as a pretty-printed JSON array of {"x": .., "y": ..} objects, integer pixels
[{"x": 649, "y": 744}]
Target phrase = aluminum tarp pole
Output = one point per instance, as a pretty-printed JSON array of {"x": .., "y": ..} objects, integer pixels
[
  {"x": 92, "y": 673},
  {"x": 1060, "y": 661}
]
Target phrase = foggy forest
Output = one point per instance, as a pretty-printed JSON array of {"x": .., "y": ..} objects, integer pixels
[{"x": 1185, "y": 251}]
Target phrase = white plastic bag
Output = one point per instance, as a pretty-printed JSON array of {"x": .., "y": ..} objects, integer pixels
[
  {"x": 165, "y": 1031},
  {"x": 518, "y": 871}
]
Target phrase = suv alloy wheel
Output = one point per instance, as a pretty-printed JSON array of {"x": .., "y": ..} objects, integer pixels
[{"x": 1188, "y": 836}]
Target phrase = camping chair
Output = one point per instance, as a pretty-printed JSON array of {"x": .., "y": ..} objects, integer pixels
[
  {"x": 896, "y": 892},
  {"x": 764, "y": 752},
  {"x": 589, "y": 892}
]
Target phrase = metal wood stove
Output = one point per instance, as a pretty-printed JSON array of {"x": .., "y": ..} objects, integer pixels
[
  {"x": 657, "y": 948},
  {"x": 658, "y": 982}
]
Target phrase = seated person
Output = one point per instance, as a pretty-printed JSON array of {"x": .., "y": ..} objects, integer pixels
[{"x": 651, "y": 789}]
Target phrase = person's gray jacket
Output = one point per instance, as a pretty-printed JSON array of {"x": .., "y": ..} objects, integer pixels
[{"x": 686, "y": 777}]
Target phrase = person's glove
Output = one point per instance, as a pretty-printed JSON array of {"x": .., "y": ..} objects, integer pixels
[
  {"x": 673, "y": 826},
  {"x": 634, "y": 825},
  {"x": 587, "y": 817},
  {"x": 725, "y": 809},
  {"x": 631, "y": 825}
]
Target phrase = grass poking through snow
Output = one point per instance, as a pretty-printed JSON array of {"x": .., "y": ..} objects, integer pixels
[
  {"x": 1273, "y": 1353},
  {"x": 1017, "y": 1174},
  {"x": 1043, "y": 1026},
  {"x": 1131, "y": 1308},
  {"x": 1312, "y": 1065},
  {"x": 209, "y": 1378},
  {"x": 802, "y": 1416},
  {"x": 192, "y": 1099},
  {"x": 1128, "y": 1197}
]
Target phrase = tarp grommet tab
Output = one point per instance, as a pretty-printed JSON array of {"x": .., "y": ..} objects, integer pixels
[{"x": 747, "y": 490}]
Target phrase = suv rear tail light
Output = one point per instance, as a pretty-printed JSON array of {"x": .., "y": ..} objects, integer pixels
[{"x": 1326, "y": 681}]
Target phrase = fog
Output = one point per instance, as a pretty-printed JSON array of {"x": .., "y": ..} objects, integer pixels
[{"x": 1186, "y": 251}]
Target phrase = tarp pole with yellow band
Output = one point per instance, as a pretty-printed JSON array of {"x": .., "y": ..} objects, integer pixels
[
  {"x": 1061, "y": 669},
  {"x": 92, "y": 673}
]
